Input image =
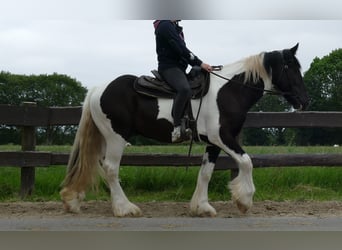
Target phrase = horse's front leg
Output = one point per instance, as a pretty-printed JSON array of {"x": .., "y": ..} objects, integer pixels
[
  {"x": 199, "y": 205},
  {"x": 242, "y": 187}
]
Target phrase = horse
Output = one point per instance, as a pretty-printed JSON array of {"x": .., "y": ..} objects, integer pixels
[{"x": 113, "y": 113}]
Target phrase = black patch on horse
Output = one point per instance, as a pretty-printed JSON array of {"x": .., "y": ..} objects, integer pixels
[
  {"x": 234, "y": 100},
  {"x": 131, "y": 113}
]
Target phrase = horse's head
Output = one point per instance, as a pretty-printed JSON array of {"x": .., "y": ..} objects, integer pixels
[{"x": 286, "y": 76}]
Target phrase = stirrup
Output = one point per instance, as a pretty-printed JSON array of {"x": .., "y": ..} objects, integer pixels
[{"x": 180, "y": 134}]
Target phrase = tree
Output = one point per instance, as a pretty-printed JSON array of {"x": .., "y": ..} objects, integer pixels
[
  {"x": 46, "y": 91},
  {"x": 324, "y": 84}
]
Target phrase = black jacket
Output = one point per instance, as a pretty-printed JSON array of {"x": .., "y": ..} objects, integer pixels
[{"x": 171, "y": 48}]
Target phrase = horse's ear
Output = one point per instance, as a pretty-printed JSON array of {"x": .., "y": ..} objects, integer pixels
[{"x": 294, "y": 49}]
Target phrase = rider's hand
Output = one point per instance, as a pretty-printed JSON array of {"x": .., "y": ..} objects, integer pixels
[{"x": 206, "y": 67}]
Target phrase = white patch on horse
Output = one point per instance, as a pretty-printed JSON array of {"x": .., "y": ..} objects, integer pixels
[
  {"x": 199, "y": 204},
  {"x": 114, "y": 147},
  {"x": 164, "y": 109}
]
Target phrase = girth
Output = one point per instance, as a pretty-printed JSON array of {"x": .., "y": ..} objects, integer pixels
[{"x": 157, "y": 87}]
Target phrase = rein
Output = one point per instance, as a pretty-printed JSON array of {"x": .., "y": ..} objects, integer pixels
[
  {"x": 197, "y": 115},
  {"x": 272, "y": 92}
]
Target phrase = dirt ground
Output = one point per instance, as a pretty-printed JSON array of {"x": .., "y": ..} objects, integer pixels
[{"x": 96, "y": 209}]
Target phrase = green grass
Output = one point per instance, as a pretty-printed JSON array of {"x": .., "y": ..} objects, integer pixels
[
  {"x": 314, "y": 183},
  {"x": 177, "y": 184}
]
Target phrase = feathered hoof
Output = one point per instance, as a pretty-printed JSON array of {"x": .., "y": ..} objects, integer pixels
[
  {"x": 243, "y": 204},
  {"x": 204, "y": 210},
  {"x": 242, "y": 207},
  {"x": 128, "y": 210},
  {"x": 242, "y": 195},
  {"x": 71, "y": 200}
]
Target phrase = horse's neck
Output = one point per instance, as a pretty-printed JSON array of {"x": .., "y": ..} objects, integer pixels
[
  {"x": 247, "y": 97},
  {"x": 227, "y": 72}
]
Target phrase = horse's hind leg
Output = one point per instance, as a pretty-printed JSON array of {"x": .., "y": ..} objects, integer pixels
[
  {"x": 199, "y": 205},
  {"x": 115, "y": 145}
]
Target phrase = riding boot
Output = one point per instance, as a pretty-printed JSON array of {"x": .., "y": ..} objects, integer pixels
[
  {"x": 185, "y": 129},
  {"x": 181, "y": 133}
]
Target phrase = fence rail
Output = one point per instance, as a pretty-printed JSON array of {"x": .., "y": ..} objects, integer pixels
[
  {"x": 45, "y": 159},
  {"x": 29, "y": 116},
  {"x": 51, "y": 116}
]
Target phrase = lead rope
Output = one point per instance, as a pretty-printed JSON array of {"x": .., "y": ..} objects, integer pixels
[{"x": 214, "y": 68}]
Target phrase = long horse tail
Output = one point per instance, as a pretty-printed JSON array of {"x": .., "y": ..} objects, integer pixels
[{"x": 84, "y": 160}]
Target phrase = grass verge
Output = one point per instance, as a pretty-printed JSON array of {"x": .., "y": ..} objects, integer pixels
[{"x": 177, "y": 184}]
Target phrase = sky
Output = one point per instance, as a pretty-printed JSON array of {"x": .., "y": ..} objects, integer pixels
[{"x": 95, "y": 46}]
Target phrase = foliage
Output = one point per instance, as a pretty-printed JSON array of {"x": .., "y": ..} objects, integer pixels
[
  {"x": 47, "y": 91},
  {"x": 324, "y": 84}
]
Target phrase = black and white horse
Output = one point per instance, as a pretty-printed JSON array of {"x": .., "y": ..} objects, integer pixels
[{"x": 114, "y": 113}]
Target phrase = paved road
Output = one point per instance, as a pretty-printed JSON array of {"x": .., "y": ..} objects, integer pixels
[{"x": 172, "y": 224}]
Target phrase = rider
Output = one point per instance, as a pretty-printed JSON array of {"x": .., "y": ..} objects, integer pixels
[{"x": 173, "y": 59}]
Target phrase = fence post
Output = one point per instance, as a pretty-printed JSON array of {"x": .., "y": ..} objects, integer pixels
[{"x": 28, "y": 143}]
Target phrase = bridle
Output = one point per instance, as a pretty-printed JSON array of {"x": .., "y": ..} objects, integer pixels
[{"x": 272, "y": 92}]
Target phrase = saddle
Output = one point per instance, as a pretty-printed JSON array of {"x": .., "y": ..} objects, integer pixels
[{"x": 157, "y": 87}]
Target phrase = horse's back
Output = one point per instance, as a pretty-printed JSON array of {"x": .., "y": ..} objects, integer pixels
[{"x": 127, "y": 112}]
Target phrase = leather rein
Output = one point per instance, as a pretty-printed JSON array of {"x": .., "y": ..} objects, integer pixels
[{"x": 272, "y": 92}]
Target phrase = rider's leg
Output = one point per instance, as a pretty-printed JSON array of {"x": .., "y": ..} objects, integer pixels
[{"x": 176, "y": 78}]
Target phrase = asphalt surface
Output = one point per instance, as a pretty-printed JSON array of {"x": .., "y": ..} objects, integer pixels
[{"x": 172, "y": 224}]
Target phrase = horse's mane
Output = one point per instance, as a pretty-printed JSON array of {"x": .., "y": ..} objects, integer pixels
[{"x": 254, "y": 68}]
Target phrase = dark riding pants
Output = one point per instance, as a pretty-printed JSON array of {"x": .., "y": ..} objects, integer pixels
[{"x": 176, "y": 78}]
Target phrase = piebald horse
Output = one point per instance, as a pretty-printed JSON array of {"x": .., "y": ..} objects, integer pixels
[{"x": 113, "y": 113}]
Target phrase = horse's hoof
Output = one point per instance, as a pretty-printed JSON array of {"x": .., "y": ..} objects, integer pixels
[
  {"x": 204, "y": 214},
  {"x": 130, "y": 211},
  {"x": 242, "y": 207},
  {"x": 71, "y": 200},
  {"x": 75, "y": 209},
  {"x": 203, "y": 211}
]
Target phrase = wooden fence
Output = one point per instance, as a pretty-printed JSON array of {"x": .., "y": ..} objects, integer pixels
[{"x": 29, "y": 116}]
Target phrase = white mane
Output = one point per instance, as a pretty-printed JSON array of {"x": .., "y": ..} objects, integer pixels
[{"x": 253, "y": 68}]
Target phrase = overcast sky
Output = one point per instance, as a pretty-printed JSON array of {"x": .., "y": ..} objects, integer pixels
[{"x": 95, "y": 48}]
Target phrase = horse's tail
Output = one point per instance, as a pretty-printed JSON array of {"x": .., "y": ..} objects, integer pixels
[{"x": 84, "y": 158}]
